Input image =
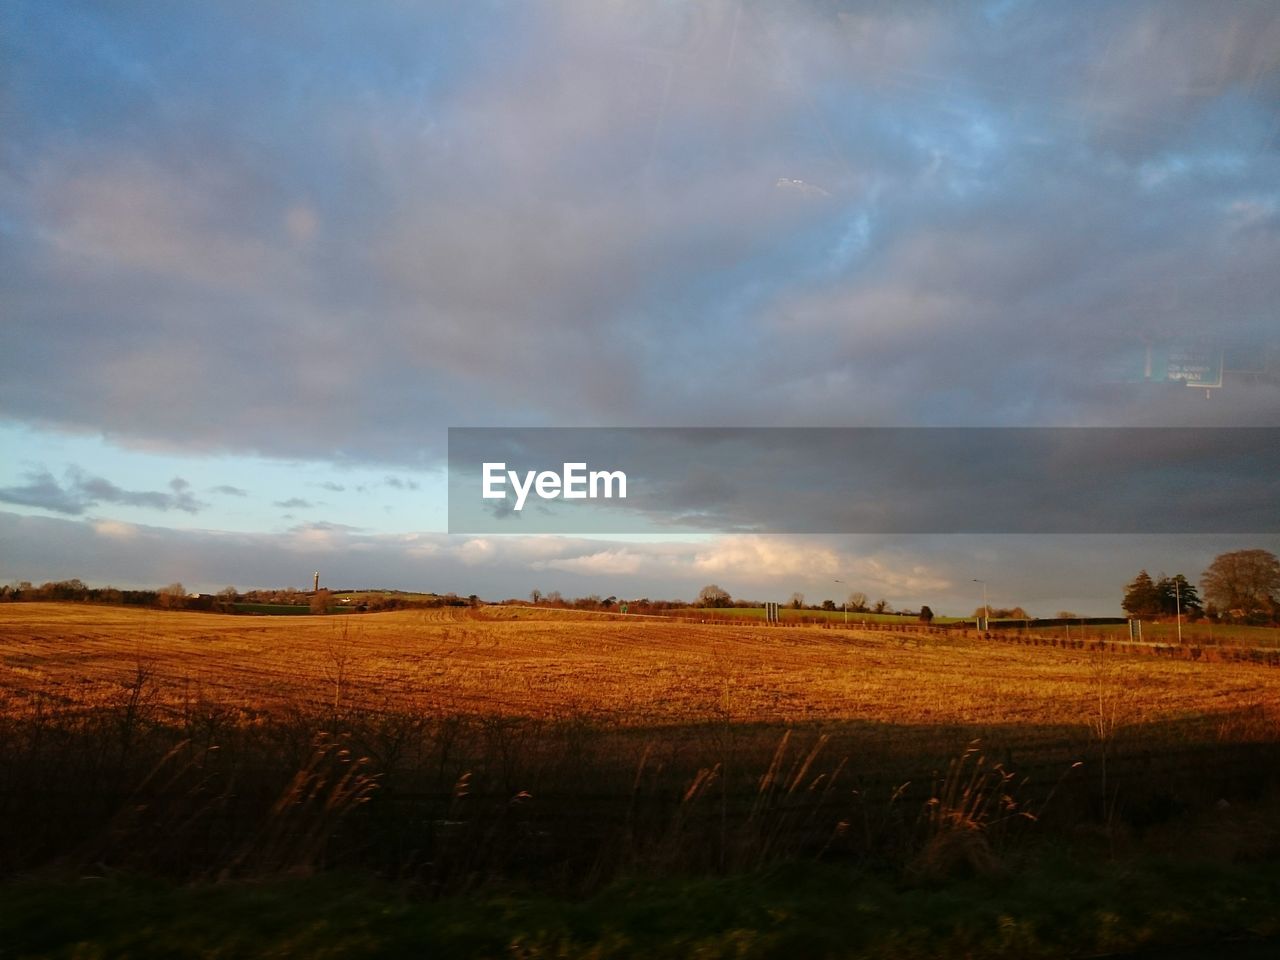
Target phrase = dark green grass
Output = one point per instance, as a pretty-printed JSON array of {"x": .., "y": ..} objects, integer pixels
[
  {"x": 272, "y": 609},
  {"x": 757, "y": 613},
  {"x": 280, "y": 609},
  {"x": 1058, "y": 907},
  {"x": 355, "y": 596},
  {"x": 1164, "y": 632},
  {"x": 1201, "y": 632}
]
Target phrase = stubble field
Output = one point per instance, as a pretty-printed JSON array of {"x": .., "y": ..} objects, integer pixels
[
  {"x": 463, "y": 744},
  {"x": 467, "y": 754},
  {"x": 635, "y": 672}
]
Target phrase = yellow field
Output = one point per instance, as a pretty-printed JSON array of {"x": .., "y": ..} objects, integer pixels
[
  {"x": 635, "y": 672},
  {"x": 502, "y": 742}
]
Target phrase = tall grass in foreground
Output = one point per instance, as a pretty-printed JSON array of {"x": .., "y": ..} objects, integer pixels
[
  {"x": 965, "y": 818},
  {"x": 454, "y": 802}
]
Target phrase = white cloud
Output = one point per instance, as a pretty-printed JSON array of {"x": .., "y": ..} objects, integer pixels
[
  {"x": 476, "y": 551},
  {"x": 602, "y": 563},
  {"x": 758, "y": 559},
  {"x": 115, "y": 529}
]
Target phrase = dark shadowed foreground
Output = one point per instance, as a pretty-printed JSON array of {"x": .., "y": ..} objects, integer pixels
[{"x": 198, "y": 785}]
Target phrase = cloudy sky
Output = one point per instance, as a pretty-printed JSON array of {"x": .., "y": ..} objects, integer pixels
[{"x": 256, "y": 259}]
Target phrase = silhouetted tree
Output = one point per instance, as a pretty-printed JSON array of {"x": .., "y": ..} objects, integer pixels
[
  {"x": 1177, "y": 593},
  {"x": 1141, "y": 597}
]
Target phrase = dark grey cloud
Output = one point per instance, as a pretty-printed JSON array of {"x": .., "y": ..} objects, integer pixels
[
  {"x": 81, "y": 490},
  {"x": 390, "y": 481},
  {"x": 323, "y": 526},
  {"x": 94, "y": 490},
  {"x": 571, "y": 214},
  {"x": 228, "y": 490},
  {"x": 43, "y": 490},
  {"x": 873, "y": 480},
  {"x": 295, "y": 503}
]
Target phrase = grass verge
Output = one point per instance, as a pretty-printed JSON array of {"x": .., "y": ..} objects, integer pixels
[{"x": 1056, "y": 907}]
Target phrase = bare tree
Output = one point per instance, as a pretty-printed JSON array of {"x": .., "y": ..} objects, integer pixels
[
  {"x": 321, "y": 601},
  {"x": 226, "y": 599},
  {"x": 857, "y": 601},
  {"x": 173, "y": 596},
  {"x": 1247, "y": 580},
  {"x": 337, "y": 664},
  {"x": 797, "y": 601},
  {"x": 713, "y": 596}
]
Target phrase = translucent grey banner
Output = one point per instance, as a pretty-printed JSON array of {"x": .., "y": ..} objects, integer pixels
[{"x": 864, "y": 480}]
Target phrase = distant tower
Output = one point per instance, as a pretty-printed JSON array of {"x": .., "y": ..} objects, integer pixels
[{"x": 316, "y": 587}]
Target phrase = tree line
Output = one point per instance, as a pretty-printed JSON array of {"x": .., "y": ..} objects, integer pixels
[
  {"x": 174, "y": 596},
  {"x": 1241, "y": 587}
]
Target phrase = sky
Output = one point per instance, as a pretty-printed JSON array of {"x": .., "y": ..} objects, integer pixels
[{"x": 255, "y": 260}]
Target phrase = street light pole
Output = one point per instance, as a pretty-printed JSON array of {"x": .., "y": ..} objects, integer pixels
[
  {"x": 1177, "y": 605},
  {"x": 844, "y": 605},
  {"x": 986, "y": 607}
]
